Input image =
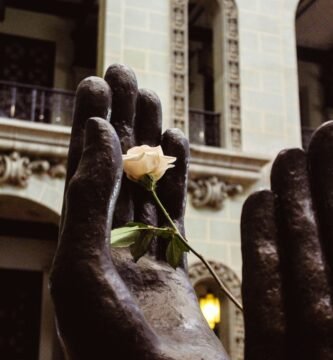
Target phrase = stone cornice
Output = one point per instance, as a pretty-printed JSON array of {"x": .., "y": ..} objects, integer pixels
[
  {"x": 231, "y": 166},
  {"x": 34, "y": 139},
  {"x": 50, "y": 142}
]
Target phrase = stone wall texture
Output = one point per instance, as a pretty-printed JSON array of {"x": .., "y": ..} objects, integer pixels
[{"x": 138, "y": 33}]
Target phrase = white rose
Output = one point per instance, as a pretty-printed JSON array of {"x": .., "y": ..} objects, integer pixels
[{"x": 146, "y": 160}]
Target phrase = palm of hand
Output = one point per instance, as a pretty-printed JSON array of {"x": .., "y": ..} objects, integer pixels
[
  {"x": 107, "y": 306},
  {"x": 169, "y": 304}
]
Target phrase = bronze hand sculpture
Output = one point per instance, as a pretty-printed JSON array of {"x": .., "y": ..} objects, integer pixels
[
  {"x": 107, "y": 306},
  {"x": 287, "y": 245}
]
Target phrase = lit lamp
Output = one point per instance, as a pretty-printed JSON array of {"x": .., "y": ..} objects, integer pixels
[{"x": 210, "y": 307}]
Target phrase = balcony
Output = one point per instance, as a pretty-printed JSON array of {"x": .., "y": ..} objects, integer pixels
[
  {"x": 208, "y": 158},
  {"x": 36, "y": 104},
  {"x": 204, "y": 127},
  {"x": 38, "y": 137},
  {"x": 34, "y": 129}
]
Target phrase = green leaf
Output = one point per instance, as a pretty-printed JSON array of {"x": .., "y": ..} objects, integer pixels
[
  {"x": 182, "y": 245},
  {"x": 141, "y": 244},
  {"x": 175, "y": 251},
  {"x": 165, "y": 233},
  {"x": 124, "y": 236},
  {"x": 137, "y": 224}
]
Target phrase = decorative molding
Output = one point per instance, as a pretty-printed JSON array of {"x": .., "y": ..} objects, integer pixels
[
  {"x": 17, "y": 170},
  {"x": 211, "y": 192},
  {"x": 28, "y": 148},
  {"x": 232, "y": 109},
  {"x": 197, "y": 273},
  {"x": 34, "y": 139},
  {"x": 179, "y": 64},
  {"x": 179, "y": 70},
  {"x": 233, "y": 167}
]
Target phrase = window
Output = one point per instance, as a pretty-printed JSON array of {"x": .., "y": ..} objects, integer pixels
[
  {"x": 27, "y": 326},
  {"x": 205, "y": 72},
  {"x": 230, "y": 328},
  {"x": 314, "y": 34},
  {"x": 205, "y": 68}
]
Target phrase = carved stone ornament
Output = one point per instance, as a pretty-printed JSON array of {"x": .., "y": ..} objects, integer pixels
[
  {"x": 198, "y": 272},
  {"x": 17, "y": 170},
  {"x": 179, "y": 64},
  {"x": 211, "y": 192},
  {"x": 179, "y": 69}
]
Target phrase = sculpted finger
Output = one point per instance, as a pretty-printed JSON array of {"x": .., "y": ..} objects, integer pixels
[
  {"x": 148, "y": 121},
  {"x": 124, "y": 87},
  {"x": 94, "y": 188},
  {"x": 85, "y": 285},
  {"x": 148, "y": 128},
  {"x": 264, "y": 315},
  {"x": 93, "y": 98},
  {"x": 172, "y": 188},
  {"x": 123, "y": 83},
  {"x": 320, "y": 158},
  {"x": 308, "y": 293}
]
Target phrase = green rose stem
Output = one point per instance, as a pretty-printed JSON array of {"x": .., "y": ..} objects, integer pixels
[{"x": 199, "y": 256}]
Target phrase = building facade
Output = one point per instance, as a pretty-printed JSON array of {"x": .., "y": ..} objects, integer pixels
[{"x": 234, "y": 75}]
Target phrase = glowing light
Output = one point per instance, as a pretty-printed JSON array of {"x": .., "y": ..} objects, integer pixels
[{"x": 210, "y": 307}]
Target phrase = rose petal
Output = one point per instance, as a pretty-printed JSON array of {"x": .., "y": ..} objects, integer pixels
[
  {"x": 171, "y": 159},
  {"x": 159, "y": 150},
  {"x": 138, "y": 149},
  {"x": 134, "y": 157},
  {"x": 144, "y": 159},
  {"x": 132, "y": 170},
  {"x": 162, "y": 168}
]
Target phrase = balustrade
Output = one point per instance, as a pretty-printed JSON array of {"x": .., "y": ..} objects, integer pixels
[
  {"x": 204, "y": 127},
  {"x": 36, "y": 103}
]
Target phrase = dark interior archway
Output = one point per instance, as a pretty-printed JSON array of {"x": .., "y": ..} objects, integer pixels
[
  {"x": 314, "y": 36},
  {"x": 83, "y": 13},
  {"x": 231, "y": 328},
  {"x": 205, "y": 71},
  {"x": 28, "y": 237}
]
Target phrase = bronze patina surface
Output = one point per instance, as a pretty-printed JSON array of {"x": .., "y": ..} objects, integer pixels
[
  {"x": 287, "y": 242},
  {"x": 109, "y": 307}
]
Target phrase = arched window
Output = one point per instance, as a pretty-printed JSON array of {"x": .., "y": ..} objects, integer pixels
[
  {"x": 229, "y": 327},
  {"x": 314, "y": 34},
  {"x": 205, "y": 68}
]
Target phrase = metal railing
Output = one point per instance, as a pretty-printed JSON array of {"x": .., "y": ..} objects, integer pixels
[
  {"x": 36, "y": 103},
  {"x": 204, "y": 127}
]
